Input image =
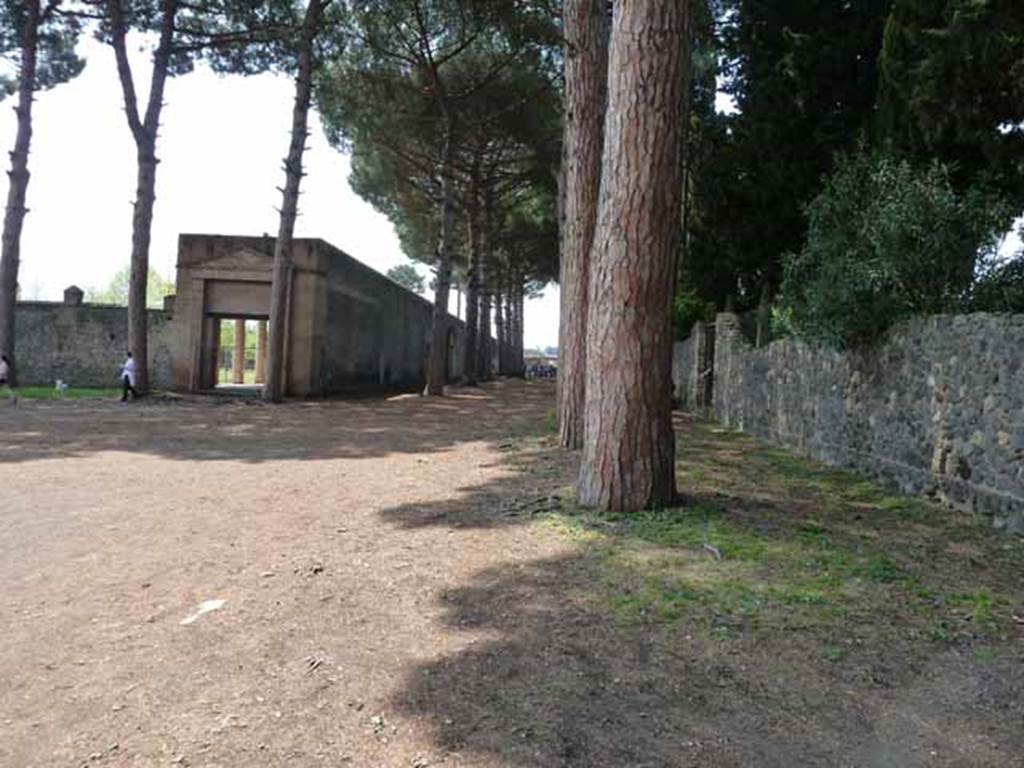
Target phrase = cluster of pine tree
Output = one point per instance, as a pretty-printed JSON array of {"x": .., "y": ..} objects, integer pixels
[
  {"x": 873, "y": 154},
  {"x": 450, "y": 109}
]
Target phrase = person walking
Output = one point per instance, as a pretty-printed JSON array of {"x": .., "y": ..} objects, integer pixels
[
  {"x": 5, "y": 378},
  {"x": 128, "y": 378}
]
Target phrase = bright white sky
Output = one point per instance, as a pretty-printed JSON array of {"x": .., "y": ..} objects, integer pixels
[{"x": 221, "y": 147}]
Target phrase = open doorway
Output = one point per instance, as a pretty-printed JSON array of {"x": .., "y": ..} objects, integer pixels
[{"x": 241, "y": 354}]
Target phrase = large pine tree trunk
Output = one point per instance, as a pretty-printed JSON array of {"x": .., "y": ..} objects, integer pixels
[
  {"x": 688, "y": 158},
  {"x": 144, "y": 130},
  {"x": 499, "y": 322},
  {"x": 438, "y": 353},
  {"x": 510, "y": 326},
  {"x": 14, "y": 217},
  {"x": 518, "y": 363},
  {"x": 521, "y": 328},
  {"x": 628, "y": 460},
  {"x": 586, "y": 73},
  {"x": 142, "y": 227},
  {"x": 485, "y": 370},
  {"x": 470, "y": 339},
  {"x": 273, "y": 389}
]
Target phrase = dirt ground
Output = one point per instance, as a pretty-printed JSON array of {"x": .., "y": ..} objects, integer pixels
[{"x": 397, "y": 582}]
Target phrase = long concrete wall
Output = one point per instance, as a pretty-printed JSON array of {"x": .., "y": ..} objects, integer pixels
[
  {"x": 84, "y": 344},
  {"x": 378, "y": 332},
  {"x": 937, "y": 407}
]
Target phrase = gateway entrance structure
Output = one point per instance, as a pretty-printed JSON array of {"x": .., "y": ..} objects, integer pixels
[{"x": 348, "y": 327}]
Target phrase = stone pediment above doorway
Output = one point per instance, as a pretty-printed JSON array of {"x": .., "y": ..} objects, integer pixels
[
  {"x": 238, "y": 259},
  {"x": 225, "y": 254}
]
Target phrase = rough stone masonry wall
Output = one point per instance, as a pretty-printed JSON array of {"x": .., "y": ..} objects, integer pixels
[
  {"x": 84, "y": 345},
  {"x": 682, "y": 373},
  {"x": 937, "y": 407}
]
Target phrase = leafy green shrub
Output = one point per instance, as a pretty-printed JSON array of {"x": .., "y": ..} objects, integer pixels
[
  {"x": 689, "y": 308},
  {"x": 1000, "y": 288},
  {"x": 886, "y": 240}
]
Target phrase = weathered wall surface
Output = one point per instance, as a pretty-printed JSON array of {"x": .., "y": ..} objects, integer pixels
[
  {"x": 682, "y": 373},
  {"x": 378, "y": 333},
  {"x": 84, "y": 345},
  {"x": 349, "y": 327},
  {"x": 692, "y": 364},
  {"x": 937, "y": 407}
]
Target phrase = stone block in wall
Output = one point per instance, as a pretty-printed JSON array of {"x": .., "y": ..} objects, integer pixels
[
  {"x": 703, "y": 361},
  {"x": 730, "y": 345},
  {"x": 73, "y": 296},
  {"x": 681, "y": 371},
  {"x": 936, "y": 407}
]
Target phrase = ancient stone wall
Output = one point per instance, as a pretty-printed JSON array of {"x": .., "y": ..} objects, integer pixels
[
  {"x": 84, "y": 344},
  {"x": 682, "y": 373},
  {"x": 377, "y": 332},
  {"x": 936, "y": 407}
]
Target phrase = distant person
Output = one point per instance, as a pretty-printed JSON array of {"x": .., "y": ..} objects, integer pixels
[
  {"x": 5, "y": 378},
  {"x": 128, "y": 378}
]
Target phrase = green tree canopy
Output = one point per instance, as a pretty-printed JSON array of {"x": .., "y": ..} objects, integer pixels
[
  {"x": 887, "y": 240},
  {"x": 116, "y": 291},
  {"x": 407, "y": 276},
  {"x": 56, "y": 60},
  {"x": 952, "y": 88}
]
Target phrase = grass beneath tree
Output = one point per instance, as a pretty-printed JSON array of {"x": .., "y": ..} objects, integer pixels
[{"x": 774, "y": 548}]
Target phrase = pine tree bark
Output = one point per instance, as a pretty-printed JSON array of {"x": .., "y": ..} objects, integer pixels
[
  {"x": 17, "y": 191},
  {"x": 517, "y": 321},
  {"x": 436, "y": 361},
  {"x": 499, "y": 322},
  {"x": 273, "y": 389},
  {"x": 485, "y": 367},
  {"x": 586, "y": 74},
  {"x": 682, "y": 249},
  {"x": 510, "y": 327},
  {"x": 470, "y": 375},
  {"x": 628, "y": 460},
  {"x": 145, "y": 129}
]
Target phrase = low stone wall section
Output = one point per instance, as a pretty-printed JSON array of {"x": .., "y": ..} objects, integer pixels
[
  {"x": 682, "y": 373},
  {"x": 692, "y": 369},
  {"x": 936, "y": 407},
  {"x": 84, "y": 345}
]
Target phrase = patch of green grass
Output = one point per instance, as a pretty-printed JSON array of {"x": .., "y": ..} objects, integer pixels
[
  {"x": 986, "y": 655},
  {"x": 880, "y": 568},
  {"x": 774, "y": 545},
  {"x": 980, "y": 610},
  {"x": 551, "y": 422},
  {"x": 832, "y": 653},
  {"x": 72, "y": 393}
]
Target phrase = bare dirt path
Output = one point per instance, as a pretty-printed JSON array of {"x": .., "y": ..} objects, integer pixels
[
  {"x": 118, "y": 522},
  {"x": 389, "y": 599}
]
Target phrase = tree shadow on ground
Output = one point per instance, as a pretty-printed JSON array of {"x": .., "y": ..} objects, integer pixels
[
  {"x": 825, "y": 623},
  {"x": 215, "y": 428}
]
